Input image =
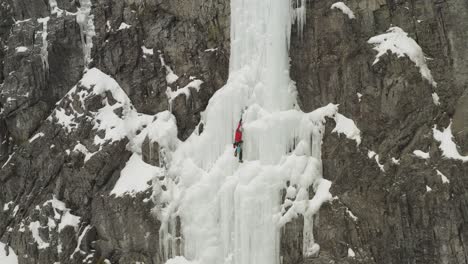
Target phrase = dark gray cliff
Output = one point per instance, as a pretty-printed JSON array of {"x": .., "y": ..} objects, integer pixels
[{"x": 397, "y": 219}]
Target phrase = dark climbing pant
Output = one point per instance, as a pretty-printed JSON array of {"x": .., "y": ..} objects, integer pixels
[{"x": 239, "y": 150}]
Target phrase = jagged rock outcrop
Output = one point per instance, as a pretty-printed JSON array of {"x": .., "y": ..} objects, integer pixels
[
  {"x": 405, "y": 211},
  {"x": 391, "y": 205}
]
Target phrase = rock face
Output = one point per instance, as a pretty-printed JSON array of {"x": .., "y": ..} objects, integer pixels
[
  {"x": 391, "y": 204},
  {"x": 405, "y": 213}
]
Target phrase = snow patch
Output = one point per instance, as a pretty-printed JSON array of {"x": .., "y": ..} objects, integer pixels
[
  {"x": 351, "y": 215},
  {"x": 21, "y": 49},
  {"x": 6, "y": 206},
  {"x": 347, "y": 126},
  {"x": 7, "y": 257},
  {"x": 171, "y": 77},
  {"x": 34, "y": 227},
  {"x": 351, "y": 253},
  {"x": 135, "y": 176},
  {"x": 36, "y": 136},
  {"x": 82, "y": 149},
  {"x": 344, "y": 8},
  {"x": 428, "y": 189},
  {"x": 147, "y": 51},
  {"x": 443, "y": 177},
  {"x": 66, "y": 218},
  {"x": 397, "y": 41},
  {"x": 435, "y": 99},
  {"x": 447, "y": 145},
  {"x": 359, "y": 95},
  {"x": 195, "y": 84},
  {"x": 123, "y": 26},
  {"x": 421, "y": 154}
]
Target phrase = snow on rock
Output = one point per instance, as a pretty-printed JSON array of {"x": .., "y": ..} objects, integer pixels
[
  {"x": 435, "y": 99},
  {"x": 8, "y": 160},
  {"x": 195, "y": 84},
  {"x": 6, "y": 206},
  {"x": 80, "y": 239},
  {"x": 135, "y": 176},
  {"x": 359, "y": 95},
  {"x": 123, "y": 26},
  {"x": 21, "y": 49},
  {"x": 373, "y": 155},
  {"x": 146, "y": 51},
  {"x": 397, "y": 41},
  {"x": 395, "y": 161},
  {"x": 447, "y": 145},
  {"x": 34, "y": 227},
  {"x": 7, "y": 255},
  {"x": 116, "y": 126},
  {"x": 82, "y": 149},
  {"x": 351, "y": 215},
  {"x": 344, "y": 8},
  {"x": 421, "y": 154},
  {"x": 163, "y": 130},
  {"x": 443, "y": 177},
  {"x": 36, "y": 136},
  {"x": 180, "y": 260},
  {"x": 63, "y": 214},
  {"x": 347, "y": 126},
  {"x": 171, "y": 77}
]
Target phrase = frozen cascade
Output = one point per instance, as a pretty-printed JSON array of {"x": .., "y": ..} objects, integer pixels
[
  {"x": 44, "y": 52},
  {"x": 84, "y": 18},
  {"x": 217, "y": 210}
]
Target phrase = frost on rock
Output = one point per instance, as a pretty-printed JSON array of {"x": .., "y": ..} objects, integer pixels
[
  {"x": 344, "y": 8},
  {"x": 7, "y": 255},
  {"x": 447, "y": 145},
  {"x": 397, "y": 41}
]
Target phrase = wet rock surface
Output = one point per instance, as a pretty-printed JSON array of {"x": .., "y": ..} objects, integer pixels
[{"x": 394, "y": 208}]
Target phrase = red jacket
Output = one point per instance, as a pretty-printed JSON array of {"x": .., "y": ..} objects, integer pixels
[{"x": 238, "y": 137}]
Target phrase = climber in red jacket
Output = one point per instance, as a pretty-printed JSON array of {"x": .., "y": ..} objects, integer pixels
[{"x": 238, "y": 141}]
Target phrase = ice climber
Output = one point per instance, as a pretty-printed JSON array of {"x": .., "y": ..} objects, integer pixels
[{"x": 238, "y": 141}]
